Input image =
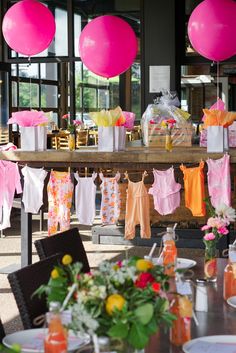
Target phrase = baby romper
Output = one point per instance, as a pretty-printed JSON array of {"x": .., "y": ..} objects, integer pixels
[
  {"x": 194, "y": 189},
  {"x": 165, "y": 191},
  {"x": 218, "y": 178},
  {"x": 85, "y": 195},
  {"x": 33, "y": 188},
  {"x": 9, "y": 182},
  {"x": 110, "y": 204},
  {"x": 137, "y": 210},
  {"x": 60, "y": 191}
]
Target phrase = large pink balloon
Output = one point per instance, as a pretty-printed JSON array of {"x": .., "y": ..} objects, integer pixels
[
  {"x": 108, "y": 46},
  {"x": 212, "y": 29},
  {"x": 28, "y": 27}
]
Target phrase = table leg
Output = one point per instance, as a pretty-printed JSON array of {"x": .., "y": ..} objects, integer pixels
[{"x": 26, "y": 237}]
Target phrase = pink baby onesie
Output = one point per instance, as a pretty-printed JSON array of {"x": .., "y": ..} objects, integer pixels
[
  {"x": 110, "y": 205},
  {"x": 165, "y": 191},
  {"x": 9, "y": 182},
  {"x": 218, "y": 178}
]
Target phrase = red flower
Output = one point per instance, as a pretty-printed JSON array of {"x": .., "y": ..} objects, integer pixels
[
  {"x": 171, "y": 121},
  {"x": 156, "y": 287},
  {"x": 143, "y": 280},
  {"x": 65, "y": 116}
]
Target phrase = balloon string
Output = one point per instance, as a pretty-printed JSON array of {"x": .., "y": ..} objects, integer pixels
[
  {"x": 217, "y": 84},
  {"x": 30, "y": 83},
  {"x": 107, "y": 94}
]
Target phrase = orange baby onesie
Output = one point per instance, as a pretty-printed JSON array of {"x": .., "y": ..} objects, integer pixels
[
  {"x": 137, "y": 210},
  {"x": 194, "y": 189}
]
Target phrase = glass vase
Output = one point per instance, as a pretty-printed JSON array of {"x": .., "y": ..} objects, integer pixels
[
  {"x": 168, "y": 143},
  {"x": 71, "y": 142},
  {"x": 210, "y": 266}
]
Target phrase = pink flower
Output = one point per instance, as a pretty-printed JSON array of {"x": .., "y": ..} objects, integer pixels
[
  {"x": 206, "y": 227},
  {"x": 223, "y": 230},
  {"x": 216, "y": 222},
  {"x": 77, "y": 122},
  {"x": 119, "y": 263},
  {"x": 65, "y": 116},
  {"x": 209, "y": 236},
  {"x": 152, "y": 122}
]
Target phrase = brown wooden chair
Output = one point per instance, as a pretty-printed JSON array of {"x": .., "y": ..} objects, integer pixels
[
  {"x": 67, "y": 242},
  {"x": 82, "y": 138},
  {"x": 24, "y": 283}
]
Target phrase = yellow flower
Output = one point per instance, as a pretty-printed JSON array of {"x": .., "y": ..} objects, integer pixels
[
  {"x": 163, "y": 124},
  {"x": 66, "y": 260},
  {"x": 114, "y": 301},
  {"x": 144, "y": 265},
  {"x": 55, "y": 274}
]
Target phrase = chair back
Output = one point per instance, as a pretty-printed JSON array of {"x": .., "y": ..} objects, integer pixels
[
  {"x": 2, "y": 331},
  {"x": 82, "y": 138},
  {"x": 24, "y": 283},
  {"x": 67, "y": 242}
]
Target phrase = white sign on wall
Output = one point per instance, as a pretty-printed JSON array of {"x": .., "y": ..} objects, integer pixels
[{"x": 159, "y": 78}]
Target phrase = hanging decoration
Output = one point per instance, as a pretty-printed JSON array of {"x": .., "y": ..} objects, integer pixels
[
  {"x": 108, "y": 46},
  {"x": 212, "y": 29},
  {"x": 28, "y": 27}
]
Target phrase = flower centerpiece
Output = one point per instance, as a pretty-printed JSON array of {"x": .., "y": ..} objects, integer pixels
[
  {"x": 167, "y": 125},
  {"x": 216, "y": 227},
  {"x": 125, "y": 300},
  {"x": 71, "y": 127}
]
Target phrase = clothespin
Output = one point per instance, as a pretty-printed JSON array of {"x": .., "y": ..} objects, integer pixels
[
  {"x": 86, "y": 171},
  {"x": 145, "y": 174},
  {"x": 69, "y": 170},
  {"x": 126, "y": 175}
]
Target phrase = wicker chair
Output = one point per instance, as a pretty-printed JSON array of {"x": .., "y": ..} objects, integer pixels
[
  {"x": 67, "y": 242},
  {"x": 2, "y": 332},
  {"x": 24, "y": 282}
]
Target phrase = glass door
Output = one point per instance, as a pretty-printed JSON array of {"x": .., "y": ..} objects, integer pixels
[{"x": 4, "y": 103}]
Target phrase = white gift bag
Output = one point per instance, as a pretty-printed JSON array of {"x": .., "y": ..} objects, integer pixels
[
  {"x": 42, "y": 138},
  {"x": 106, "y": 141},
  {"x": 226, "y": 139},
  {"x": 120, "y": 137},
  {"x": 29, "y": 138},
  {"x": 217, "y": 139}
]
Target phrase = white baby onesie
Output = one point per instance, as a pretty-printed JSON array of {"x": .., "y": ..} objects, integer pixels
[
  {"x": 33, "y": 188},
  {"x": 85, "y": 195}
]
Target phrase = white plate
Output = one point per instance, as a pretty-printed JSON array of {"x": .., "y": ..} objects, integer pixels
[
  {"x": 211, "y": 344},
  {"x": 232, "y": 301},
  {"x": 32, "y": 341},
  {"x": 181, "y": 263}
]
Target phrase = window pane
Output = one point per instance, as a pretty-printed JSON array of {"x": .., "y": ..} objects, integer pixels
[
  {"x": 26, "y": 70},
  {"x": 77, "y": 31},
  {"x": 78, "y": 88},
  {"x": 103, "y": 99},
  {"x": 48, "y": 71},
  {"x": 13, "y": 69},
  {"x": 49, "y": 96},
  {"x": 28, "y": 95},
  {"x": 89, "y": 98},
  {"x": 136, "y": 90},
  {"x": 14, "y": 93}
]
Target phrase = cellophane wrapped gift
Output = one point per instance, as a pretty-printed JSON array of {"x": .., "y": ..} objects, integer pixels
[{"x": 152, "y": 132}]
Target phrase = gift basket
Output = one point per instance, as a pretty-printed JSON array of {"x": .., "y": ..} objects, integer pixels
[{"x": 166, "y": 108}]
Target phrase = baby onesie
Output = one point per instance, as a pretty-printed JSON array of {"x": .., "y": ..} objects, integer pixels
[
  {"x": 110, "y": 204},
  {"x": 218, "y": 178},
  {"x": 194, "y": 189},
  {"x": 85, "y": 195},
  {"x": 165, "y": 191},
  {"x": 60, "y": 191},
  {"x": 9, "y": 182},
  {"x": 33, "y": 188},
  {"x": 137, "y": 210}
]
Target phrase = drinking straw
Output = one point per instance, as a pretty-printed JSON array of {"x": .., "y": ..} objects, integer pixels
[
  {"x": 67, "y": 298},
  {"x": 195, "y": 318},
  {"x": 152, "y": 249}
]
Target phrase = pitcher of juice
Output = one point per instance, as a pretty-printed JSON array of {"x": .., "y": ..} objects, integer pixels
[
  {"x": 169, "y": 252},
  {"x": 56, "y": 338},
  {"x": 229, "y": 288}
]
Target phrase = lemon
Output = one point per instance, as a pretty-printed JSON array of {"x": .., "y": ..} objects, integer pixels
[
  {"x": 66, "y": 260},
  {"x": 114, "y": 301},
  {"x": 143, "y": 265}
]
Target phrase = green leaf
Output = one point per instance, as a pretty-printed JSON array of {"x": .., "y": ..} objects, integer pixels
[
  {"x": 152, "y": 326},
  {"x": 138, "y": 336},
  {"x": 144, "y": 313},
  {"x": 120, "y": 330}
]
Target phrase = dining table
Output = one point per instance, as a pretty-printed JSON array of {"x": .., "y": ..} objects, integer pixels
[{"x": 219, "y": 319}]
